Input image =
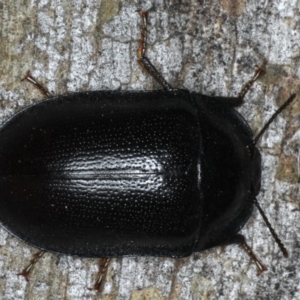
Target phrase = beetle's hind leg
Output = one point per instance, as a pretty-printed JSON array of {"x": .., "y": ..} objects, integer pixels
[
  {"x": 39, "y": 86},
  {"x": 143, "y": 60},
  {"x": 27, "y": 270},
  {"x": 103, "y": 267}
]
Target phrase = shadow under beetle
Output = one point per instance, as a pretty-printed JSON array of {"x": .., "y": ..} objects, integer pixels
[{"x": 111, "y": 173}]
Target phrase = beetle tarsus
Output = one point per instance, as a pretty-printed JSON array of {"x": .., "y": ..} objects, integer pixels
[
  {"x": 103, "y": 267},
  {"x": 39, "y": 86},
  {"x": 143, "y": 60},
  {"x": 26, "y": 271},
  {"x": 241, "y": 241}
]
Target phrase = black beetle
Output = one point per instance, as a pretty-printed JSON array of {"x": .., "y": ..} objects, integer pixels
[{"x": 113, "y": 173}]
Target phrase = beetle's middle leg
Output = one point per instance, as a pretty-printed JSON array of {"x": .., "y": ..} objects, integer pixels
[{"x": 143, "y": 60}]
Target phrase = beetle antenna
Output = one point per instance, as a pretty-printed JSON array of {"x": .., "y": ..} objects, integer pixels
[
  {"x": 278, "y": 111},
  {"x": 274, "y": 234}
]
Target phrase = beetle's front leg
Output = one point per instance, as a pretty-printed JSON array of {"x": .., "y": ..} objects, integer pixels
[
  {"x": 241, "y": 241},
  {"x": 258, "y": 73},
  {"x": 143, "y": 60},
  {"x": 237, "y": 101}
]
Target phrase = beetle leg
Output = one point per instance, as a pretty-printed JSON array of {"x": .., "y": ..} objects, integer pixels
[
  {"x": 237, "y": 101},
  {"x": 258, "y": 73},
  {"x": 26, "y": 271},
  {"x": 241, "y": 241},
  {"x": 143, "y": 60},
  {"x": 103, "y": 266},
  {"x": 39, "y": 86}
]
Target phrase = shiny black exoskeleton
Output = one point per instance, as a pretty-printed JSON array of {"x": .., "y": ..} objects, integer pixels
[{"x": 104, "y": 173}]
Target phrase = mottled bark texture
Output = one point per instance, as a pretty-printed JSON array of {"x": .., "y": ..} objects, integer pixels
[{"x": 205, "y": 46}]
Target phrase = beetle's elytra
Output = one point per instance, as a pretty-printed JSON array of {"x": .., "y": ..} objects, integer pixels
[{"x": 112, "y": 173}]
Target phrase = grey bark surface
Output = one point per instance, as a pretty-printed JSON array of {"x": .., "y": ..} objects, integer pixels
[{"x": 209, "y": 47}]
